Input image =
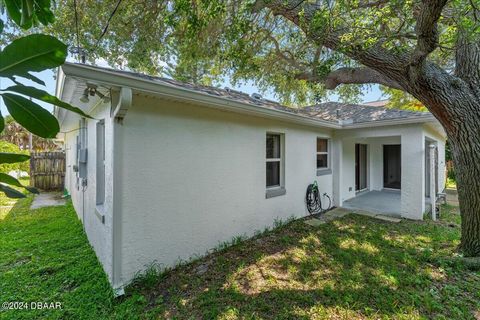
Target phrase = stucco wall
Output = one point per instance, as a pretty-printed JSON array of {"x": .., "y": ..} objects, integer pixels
[
  {"x": 411, "y": 137},
  {"x": 84, "y": 202},
  {"x": 192, "y": 177}
]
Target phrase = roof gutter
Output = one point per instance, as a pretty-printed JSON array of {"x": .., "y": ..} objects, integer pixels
[
  {"x": 186, "y": 95},
  {"x": 381, "y": 123}
]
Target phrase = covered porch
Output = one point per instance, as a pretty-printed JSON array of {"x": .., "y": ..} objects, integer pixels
[{"x": 388, "y": 172}]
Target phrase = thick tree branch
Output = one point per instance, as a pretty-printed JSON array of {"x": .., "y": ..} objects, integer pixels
[
  {"x": 358, "y": 76},
  {"x": 361, "y": 75},
  {"x": 302, "y": 14},
  {"x": 426, "y": 29}
]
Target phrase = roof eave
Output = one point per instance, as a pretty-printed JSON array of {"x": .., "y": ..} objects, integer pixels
[
  {"x": 118, "y": 80},
  {"x": 186, "y": 95},
  {"x": 398, "y": 121}
]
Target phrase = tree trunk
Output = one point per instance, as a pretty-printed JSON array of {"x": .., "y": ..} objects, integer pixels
[
  {"x": 466, "y": 155},
  {"x": 453, "y": 99},
  {"x": 458, "y": 110}
]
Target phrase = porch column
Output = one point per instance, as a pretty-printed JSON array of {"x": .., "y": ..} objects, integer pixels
[
  {"x": 413, "y": 181},
  {"x": 336, "y": 163}
]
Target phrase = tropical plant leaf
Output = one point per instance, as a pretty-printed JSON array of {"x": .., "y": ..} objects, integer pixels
[
  {"x": 43, "y": 12},
  {"x": 2, "y": 122},
  {"x": 10, "y": 192},
  {"x": 27, "y": 13},
  {"x": 5, "y": 178},
  {"x": 32, "y": 53},
  {"x": 45, "y": 97},
  {"x": 33, "y": 78},
  {"x": 2, "y": 25},
  {"x": 31, "y": 116},
  {"x": 14, "y": 12},
  {"x": 8, "y": 157}
]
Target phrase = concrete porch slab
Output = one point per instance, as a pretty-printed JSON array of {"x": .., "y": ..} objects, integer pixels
[
  {"x": 385, "y": 202},
  {"x": 47, "y": 199}
]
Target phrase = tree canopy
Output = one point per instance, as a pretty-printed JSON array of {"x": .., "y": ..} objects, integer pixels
[
  {"x": 301, "y": 49},
  {"x": 205, "y": 41}
]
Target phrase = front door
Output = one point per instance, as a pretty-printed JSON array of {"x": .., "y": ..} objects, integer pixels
[
  {"x": 360, "y": 167},
  {"x": 392, "y": 166}
]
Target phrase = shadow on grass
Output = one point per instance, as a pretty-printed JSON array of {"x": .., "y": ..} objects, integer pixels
[{"x": 354, "y": 267}]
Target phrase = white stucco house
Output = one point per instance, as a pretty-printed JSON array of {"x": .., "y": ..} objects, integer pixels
[{"x": 167, "y": 170}]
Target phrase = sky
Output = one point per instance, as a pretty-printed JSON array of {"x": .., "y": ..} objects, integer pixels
[{"x": 47, "y": 76}]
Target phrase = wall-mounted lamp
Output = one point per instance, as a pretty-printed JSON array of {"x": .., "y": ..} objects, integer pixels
[{"x": 91, "y": 90}]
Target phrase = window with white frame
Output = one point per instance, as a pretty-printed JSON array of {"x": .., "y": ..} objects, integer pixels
[
  {"x": 322, "y": 153},
  {"x": 100, "y": 183},
  {"x": 274, "y": 160}
]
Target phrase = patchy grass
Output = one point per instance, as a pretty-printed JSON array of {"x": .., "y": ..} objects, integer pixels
[
  {"x": 451, "y": 183},
  {"x": 352, "y": 268}
]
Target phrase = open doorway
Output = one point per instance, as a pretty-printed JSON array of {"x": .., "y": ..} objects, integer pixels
[
  {"x": 360, "y": 167},
  {"x": 392, "y": 166}
]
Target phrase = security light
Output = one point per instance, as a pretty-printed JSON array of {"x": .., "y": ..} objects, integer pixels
[{"x": 84, "y": 97}]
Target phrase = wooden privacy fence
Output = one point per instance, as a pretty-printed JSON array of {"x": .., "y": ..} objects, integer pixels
[{"x": 47, "y": 170}]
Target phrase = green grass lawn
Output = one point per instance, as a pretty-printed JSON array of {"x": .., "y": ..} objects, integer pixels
[{"x": 351, "y": 268}]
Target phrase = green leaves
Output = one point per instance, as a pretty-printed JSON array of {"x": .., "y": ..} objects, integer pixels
[
  {"x": 28, "y": 13},
  {"x": 31, "y": 116},
  {"x": 33, "y": 53},
  {"x": 45, "y": 97},
  {"x": 10, "y": 192},
  {"x": 5, "y": 178},
  {"x": 7, "y": 157},
  {"x": 2, "y": 123}
]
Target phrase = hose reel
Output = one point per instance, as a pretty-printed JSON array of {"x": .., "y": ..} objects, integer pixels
[{"x": 313, "y": 201}]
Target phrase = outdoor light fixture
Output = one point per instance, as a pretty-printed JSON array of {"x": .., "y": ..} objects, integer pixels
[
  {"x": 84, "y": 97},
  {"x": 91, "y": 90}
]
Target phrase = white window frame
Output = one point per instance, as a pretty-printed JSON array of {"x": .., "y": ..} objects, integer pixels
[
  {"x": 277, "y": 190},
  {"x": 323, "y": 170},
  {"x": 100, "y": 165}
]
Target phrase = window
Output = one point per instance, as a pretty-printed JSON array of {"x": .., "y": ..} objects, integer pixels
[
  {"x": 100, "y": 183},
  {"x": 274, "y": 165},
  {"x": 322, "y": 153},
  {"x": 323, "y": 156}
]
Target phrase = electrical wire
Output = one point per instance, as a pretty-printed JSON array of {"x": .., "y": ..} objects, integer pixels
[
  {"x": 76, "y": 29},
  {"x": 107, "y": 25}
]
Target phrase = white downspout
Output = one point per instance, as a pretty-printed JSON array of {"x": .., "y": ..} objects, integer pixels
[
  {"x": 118, "y": 113},
  {"x": 433, "y": 191}
]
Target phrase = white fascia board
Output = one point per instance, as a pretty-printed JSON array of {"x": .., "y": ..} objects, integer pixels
[
  {"x": 59, "y": 90},
  {"x": 186, "y": 95},
  {"x": 382, "y": 123}
]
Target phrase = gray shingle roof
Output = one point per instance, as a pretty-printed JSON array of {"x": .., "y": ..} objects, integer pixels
[
  {"x": 329, "y": 111},
  {"x": 357, "y": 113}
]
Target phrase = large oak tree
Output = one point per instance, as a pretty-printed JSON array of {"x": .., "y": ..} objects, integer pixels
[{"x": 300, "y": 49}]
